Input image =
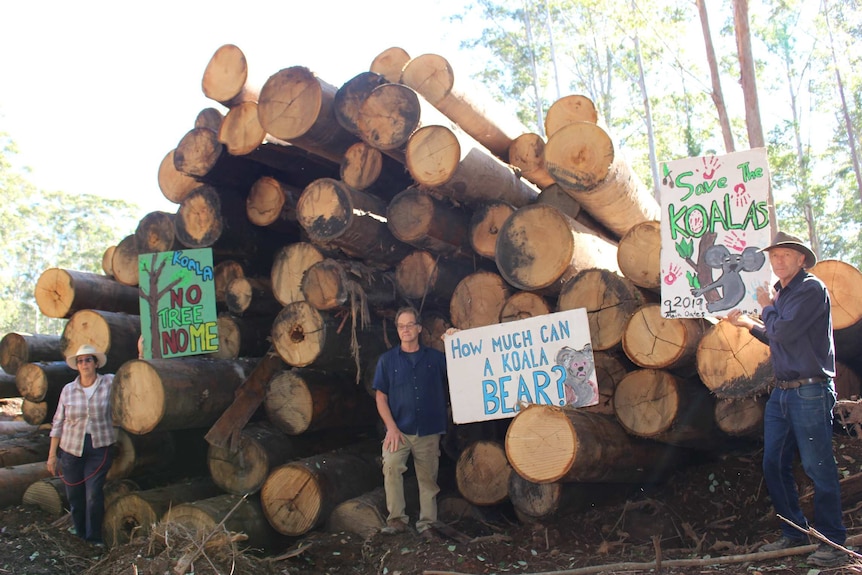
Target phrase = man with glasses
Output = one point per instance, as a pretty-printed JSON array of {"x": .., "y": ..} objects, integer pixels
[{"x": 410, "y": 384}]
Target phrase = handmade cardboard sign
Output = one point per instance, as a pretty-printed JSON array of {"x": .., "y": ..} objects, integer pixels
[
  {"x": 494, "y": 370},
  {"x": 178, "y": 311},
  {"x": 714, "y": 223}
]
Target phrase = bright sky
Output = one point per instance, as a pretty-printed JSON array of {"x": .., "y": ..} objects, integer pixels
[{"x": 95, "y": 93}]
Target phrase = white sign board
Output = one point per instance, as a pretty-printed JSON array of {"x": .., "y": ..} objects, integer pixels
[
  {"x": 714, "y": 223},
  {"x": 495, "y": 369}
]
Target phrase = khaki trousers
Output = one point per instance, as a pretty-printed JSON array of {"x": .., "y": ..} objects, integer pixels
[{"x": 426, "y": 461}]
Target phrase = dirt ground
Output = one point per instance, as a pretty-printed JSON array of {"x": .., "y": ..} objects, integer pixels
[{"x": 716, "y": 508}]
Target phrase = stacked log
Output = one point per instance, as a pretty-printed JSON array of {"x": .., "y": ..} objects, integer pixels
[
  {"x": 27, "y": 449},
  {"x": 732, "y": 363},
  {"x": 60, "y": 293},
  {"x": 482, "y": 473},
  {"x": 37, "y": 381},
  {"x": 18, "y": 349},
  {"x": 15, "y": 480}
]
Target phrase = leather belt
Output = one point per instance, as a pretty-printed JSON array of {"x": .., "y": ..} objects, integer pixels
[{"x": 794, "y": 383}]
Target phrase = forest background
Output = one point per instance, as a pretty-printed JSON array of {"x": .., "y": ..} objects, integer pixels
[{"x": 645, "y": 63}]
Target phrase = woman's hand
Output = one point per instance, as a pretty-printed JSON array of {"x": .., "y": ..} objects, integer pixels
[{"x": 52, "y": 464}]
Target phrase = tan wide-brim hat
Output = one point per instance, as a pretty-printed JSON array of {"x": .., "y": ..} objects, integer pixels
[
  {"x": 783, "y": 240},
  {"x": 72, "y": 360}
]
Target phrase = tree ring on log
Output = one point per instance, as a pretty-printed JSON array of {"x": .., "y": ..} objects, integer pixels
[
  {"x": 547, "y": 435},
  {"x": 579, "y": 156},
  {"x": 433, "y": 154},
  {"x": 290, "y": 102},
  {"x": 293, "y": 499},
  {"x": 225, "y": 75}
]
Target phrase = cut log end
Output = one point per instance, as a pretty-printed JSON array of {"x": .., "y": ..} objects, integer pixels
[
  {"x": 298, "y": 334},
  {"x": 225, "y": 74},
  {"x": 291, "y": 499},
  {"x": 541, "y": 444},
  {"x": 290, "y": 102},
  {"x": 138, "y": 398},
  {"x": 433, "y": 154},
  {"x": 389, "y": 63},
  {"x": 482, "y": 473}
]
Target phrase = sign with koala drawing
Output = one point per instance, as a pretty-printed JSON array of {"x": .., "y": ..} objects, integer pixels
[
  {"x": 714, "y": 223},
  {"x": 494, "y": 370}
]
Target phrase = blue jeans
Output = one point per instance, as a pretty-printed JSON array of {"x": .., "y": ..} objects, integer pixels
[
  {"x": 801, "y": 419},
  {"x": 85, "y": 479}
]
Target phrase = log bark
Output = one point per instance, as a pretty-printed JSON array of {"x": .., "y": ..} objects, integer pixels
[
  {"x": 8, "y": 388},
  {"x": 610, "y": 300},
  {"x": 741, "y": 417},
  {"x": 333, "y": 284},
  {"x": 367, "y": 169},
  {"x": 478, "y": 300},
  {"x": 36, "y": 381},
  {"x": 639, "y": 255},
  {"x": 223, "y": 513},
  {"x": 539, "y": 248},
  {"x": 49, "y": 494},
  {"x": 424, "y": 277},
  {"x": 365, "y": 515},
  {"x": 848, "y": 384},
  {"x": 433, "y": 77},
  {"x": 540, "y": 502},
  {"x": 527, "y": 153},
  {"x": 115, "y": 334},
  {"x": 107, "y": 263},
  {"x": 18, "y": 349},
  {"x": 458, "y": 167},
  {"x": 242, "y": 336},
  {"x": 300, "y": 495},
  {"x": 351, "y": 95},
  {"x": 226, "y": 78},
  {"x": 485, "y": 225},
  {"x": 426, "y": 223},
  {"x": 38, "y": 412},
  {"x": 134, "y": 515},
  {"x": 652, "y": 341},
  {"x": 657, "y": 405},
  {"x": 546, "y": 444},
  {"x": 610, "y": 368},
  {"x": 556, "y": 196},
  {"x": 522, "y": 305},
  {"x": 136, "y": 455},
  {"x": 174, "y": 184},
  {"x": 482, "y": 473},
  {"x": 297, "y": 106},
  {"x": 272, "y": 204},
  {"x": 27, "y": 449},
  {"x": 732, "y": 363},
  {"x": 567, "y": 110},
  {"x": 60, "y": 293},
  {"x": 845, "y": 284},
  {"x": 251, "y": 296},
  {"x": 434, "y": 325},
  {"x": 334, "y": 215},
  {"x": 16, "y": 427},
  {"x": 582, "y": 158},
  {"x": 209, "y": 118},
  {"x": 288, "y": 268},
  {"x": 124, "y": 262},
  {"x": 14, "y": 481},
  {"x": 156, "y": 233},
  {"x": 167, "y": 394},
  {"x": 390, "y": 62}
]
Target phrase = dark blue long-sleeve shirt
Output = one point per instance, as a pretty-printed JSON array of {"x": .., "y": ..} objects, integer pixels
[
  {"x": 416, "y": 391},
  {"x": 798, "y": 329}
]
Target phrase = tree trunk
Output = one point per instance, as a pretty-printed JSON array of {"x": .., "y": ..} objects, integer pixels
[
  {"x": 272, "y": 204},
  {"x": 844, "y": 283},
  {"x": 485, "y": 224},
  {"x": 716, "y": 94},
  {"x": 540, "y": 502},
  {"x": 38, "y": 412},
  {"x": 611, "y": 368},
  {"x": 478, "y": 300},
  {"x": 156, "y": 233},
  {"x": 350, "y": 96},
  {"x": 610, "y": 300},
  {"x": 225, "y": 272},
  {"x": 648, "y": 123},
  {"x": 242, "y": 336},
  {"x": 456, "y": 166},
  {"x": 223, "y": 513},
  {"x": 639, "y": 255},
  {"x": 426, "y": 278},
  {"x": 216, "y": 218},
  {"x": 522, "y": 305},
  {"x": 334, "y": 215},
  {"x": 16, "y": 427},
  {"x": 732, "y": 363},
  {"x": 546, "y": 444},
  {"x": 14, "y": 481},
  {"x": 390, "y": 62},
  {"x": 848, "y": 384},
  {"x": 36, "y": 381},
  {"x": 124, "y": 262},
  {"x": 252, "y": 297},
  {"x": 49, "y": 494},
  {"x": 135, "y": 514},
  {"x": 300, "y": 400},
  {"x": 432, "y": 76},
  {"x": 651, "y": 341},
  {"x": 654, "y": 404},
  {"x": 226, "y": 78},
  {"x": 367, "y": 169},
  {"x": 741, "y": 417},
  {"x": 482, "y": 473},
  {"x": 568, "y": 110},
  {"x": 114, "y": 334},
  {"x": 582, "y": 158},
  {"x": 166, "y": 394},
  {"x": 241, "y": 132},
  {"x": 555, "y": 196},
  {"x": 8, "y": 387},
  {"x": 365, "y": 515},
  {"x": 288, "y": 268},
  {"x": 60, "y": 293},
  {"x": 107, "y": 263},
  {"x": 300, "y": 495},
  {"x": 174, "y": 184},
  {"x": 18, "y": 349},
  {"x": 143, "y": 454},
  {"x": 20, "y": 450},
  {"x": 748, "y": 79},
  {"x": 332, "y": 284},
  {"x": 297, "y": 106},
  {"x": 539, "y": 248},
  {"x": 434, "y": 325},
  {"x": 418, "y": 219},
  {"x": 527, "y": 154},
  {"x": 209, "y": 118}
]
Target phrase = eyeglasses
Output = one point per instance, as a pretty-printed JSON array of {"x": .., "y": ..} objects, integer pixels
[
  {"x": 88, "y": 359},
  {"x": 405, "y": 325}
]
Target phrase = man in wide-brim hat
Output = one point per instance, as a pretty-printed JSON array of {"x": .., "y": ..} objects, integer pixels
[{"x": 796, "y": 323}]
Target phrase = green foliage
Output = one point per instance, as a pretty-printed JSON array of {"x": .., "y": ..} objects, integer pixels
[{"x": 42, "y": 230}]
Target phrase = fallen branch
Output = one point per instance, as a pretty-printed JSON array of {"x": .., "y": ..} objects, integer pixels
[{"x": 183, "y": 563}]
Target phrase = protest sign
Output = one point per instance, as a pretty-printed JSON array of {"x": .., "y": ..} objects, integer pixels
[
  {"x": 178, "y": 311},
  {"x": 495, "y": 369},
  {"x": 714, "y": 223}
]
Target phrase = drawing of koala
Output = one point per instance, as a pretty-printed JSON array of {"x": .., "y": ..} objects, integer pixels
[
  {"x": 579, "y": 365},
  {"x": 730, "y": 281}
]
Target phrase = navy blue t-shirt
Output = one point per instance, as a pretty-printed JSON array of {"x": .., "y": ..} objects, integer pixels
[{"x": 415, "y": 384}]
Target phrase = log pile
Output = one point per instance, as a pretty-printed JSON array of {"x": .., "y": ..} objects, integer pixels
[{"x": 326, "y": 209}]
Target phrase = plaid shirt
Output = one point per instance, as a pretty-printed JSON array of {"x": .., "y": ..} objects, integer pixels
[{"x": 74, "y": 412}]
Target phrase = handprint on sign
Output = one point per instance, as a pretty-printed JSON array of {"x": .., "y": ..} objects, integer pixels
[
  {"x": 735, "y": 241},
  {"x": 710, "y": 166},
  {"x": 695, "y": 224},
  {"x": 672, "y": 274},
  {"x": 740, "y": 196}
]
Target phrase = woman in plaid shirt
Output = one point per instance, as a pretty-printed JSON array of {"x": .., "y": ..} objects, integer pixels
[{"x": 83, "y": 430}]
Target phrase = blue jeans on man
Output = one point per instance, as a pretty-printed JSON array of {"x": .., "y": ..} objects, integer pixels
[
  {"x": 85, "y": 480},
  {"x": 801, "y": 419}
]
